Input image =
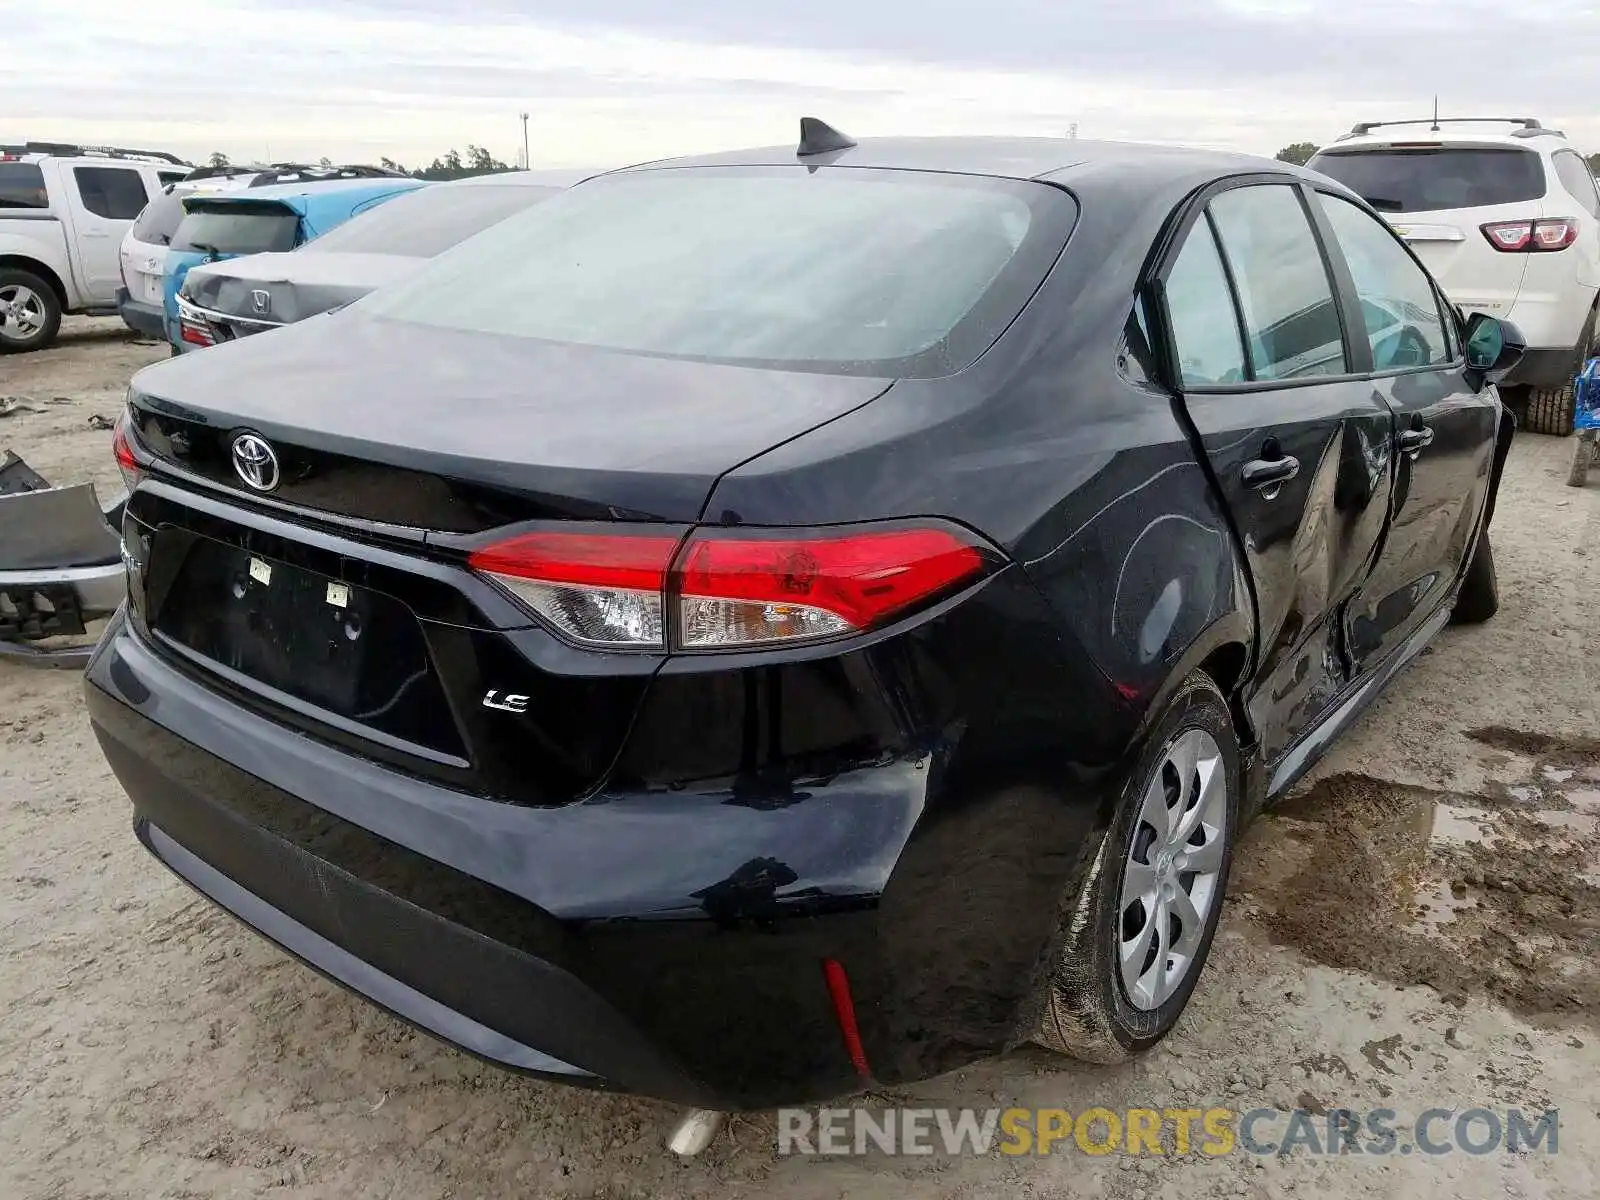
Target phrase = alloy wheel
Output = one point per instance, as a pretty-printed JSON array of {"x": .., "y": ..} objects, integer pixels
[
  {"x": 22, "y": 312},
  {"x": 1173, "y": 869}
]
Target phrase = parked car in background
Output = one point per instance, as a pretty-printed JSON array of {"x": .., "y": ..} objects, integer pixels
[
  {"x": 226, "y": 300},
  {"x": 760, "y": 627},
  {"x": 256, "y": 220},
  {"x": 64, "y": 210},
  {"x": 144, "y": 248},
  {"x": 1508, "y": 220}
]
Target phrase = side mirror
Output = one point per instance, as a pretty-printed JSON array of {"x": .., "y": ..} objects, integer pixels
[{"x": 1493, "y": 347}]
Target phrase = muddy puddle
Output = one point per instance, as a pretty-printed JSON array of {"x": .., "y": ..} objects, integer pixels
[{"x": 1494, "y": 894}]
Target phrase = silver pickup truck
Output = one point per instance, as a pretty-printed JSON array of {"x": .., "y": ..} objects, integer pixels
[{"x": 63, "y": 213}]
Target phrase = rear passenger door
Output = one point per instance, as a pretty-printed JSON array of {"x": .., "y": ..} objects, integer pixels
[
  {"x": 1298, "y": 443},
  {"x": 104, "y": 202},
  {"x": 1445, "y": 430}
]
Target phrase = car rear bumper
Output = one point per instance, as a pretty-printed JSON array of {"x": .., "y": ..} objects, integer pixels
[
  {"x": 534, "y": 937},
  {"x": 147, "y": 320}
]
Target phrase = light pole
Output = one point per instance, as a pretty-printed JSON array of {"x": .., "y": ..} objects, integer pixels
[{"x": 525, "y": 163}]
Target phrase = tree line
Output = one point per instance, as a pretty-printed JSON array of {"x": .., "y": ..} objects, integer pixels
[{"x": 452, "y": 164}]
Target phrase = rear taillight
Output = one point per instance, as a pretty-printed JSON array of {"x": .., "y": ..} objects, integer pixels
[
  {"x": 740, "y": 591},
  {"x": 599, "y": 589},
  {"x": 725, "y": 589},
  {"x": 1531, "y": 237},
  {"x": 122, "y": 450},
  {"x": 192, "y": 327}
]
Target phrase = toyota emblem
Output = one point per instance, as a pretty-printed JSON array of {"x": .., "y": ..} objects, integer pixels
[{"x": 255, "y": 462}]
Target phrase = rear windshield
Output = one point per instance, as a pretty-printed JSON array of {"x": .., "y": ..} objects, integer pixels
[
  {"x": 238, "y": 229},
  {"x": 1426, "y": 180},
  {"x": 847, "y": 271},
  {"x": 159, "y": 220},
  {"x": 428, "y": 221},
  {"x": 22, "y": 186}
]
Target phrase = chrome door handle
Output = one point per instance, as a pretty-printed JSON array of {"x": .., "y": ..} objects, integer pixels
[
  {"x": 1415, "y": 441},
  {"x": 1268, "y": 475}
]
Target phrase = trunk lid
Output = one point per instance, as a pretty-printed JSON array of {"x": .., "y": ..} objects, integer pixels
[
  {"x": 442, "y": 430},
  {"x": 280, "y": 289}
]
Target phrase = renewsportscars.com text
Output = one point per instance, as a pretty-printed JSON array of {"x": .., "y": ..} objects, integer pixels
[{"x": 1151, "y": 1131}]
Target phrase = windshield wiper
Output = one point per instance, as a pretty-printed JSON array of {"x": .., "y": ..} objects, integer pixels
[{"x": 213, "y": 252}]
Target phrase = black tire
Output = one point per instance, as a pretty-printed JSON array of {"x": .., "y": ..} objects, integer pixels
[
  {"x": 42, "y": 299},
  {"x": 1551, "y": 410},
  {"x": 1088, "y": 1013},
  {"x": 1479, "y": 598}
]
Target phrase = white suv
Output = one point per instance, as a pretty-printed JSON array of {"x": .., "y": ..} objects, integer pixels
[{"x": 1508, "y": 222}]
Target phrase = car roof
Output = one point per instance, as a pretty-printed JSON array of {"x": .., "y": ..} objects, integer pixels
[
  {"x": 310, "y": 198},
  {"x": 1056, "y": 159},
  {"x": 1522, "y": 133}
]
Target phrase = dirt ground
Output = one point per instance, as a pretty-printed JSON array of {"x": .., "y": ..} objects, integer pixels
[{"x": 1419, "y": 927}]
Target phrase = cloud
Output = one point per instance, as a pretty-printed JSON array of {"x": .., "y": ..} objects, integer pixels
[{"x": 632, "y": 79}]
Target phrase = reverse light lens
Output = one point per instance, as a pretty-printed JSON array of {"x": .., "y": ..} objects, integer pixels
[
  {"x": 616, "y": 590},
  {"x": 737, "y": 591},
  {"x": 1509, "y": 235},
  {"x": 599, "y": 589}
]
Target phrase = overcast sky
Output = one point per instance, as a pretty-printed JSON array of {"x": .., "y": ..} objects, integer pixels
[{"x": 614, "y": 81}]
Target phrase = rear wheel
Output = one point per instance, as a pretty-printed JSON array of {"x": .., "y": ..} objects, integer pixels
[
  {"x": 1550, "y": 410},
  {"x": 30, "y": 311},
  {"x": 1141, "y": 928}
]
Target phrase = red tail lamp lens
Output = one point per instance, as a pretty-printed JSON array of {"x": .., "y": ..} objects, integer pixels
[
  {"x": 728, "y": 591},
  {"x": 743, "y": 591}
]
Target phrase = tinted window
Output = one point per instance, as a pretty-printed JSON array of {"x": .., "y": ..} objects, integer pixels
[
  {"x": 848, "y": 271},
  {"x": 115, "y": 193},
  {"x": 428, "y": 221},
  {"x": 1291, "y": 322},
  {"x": 1576, "y": 177},
  {"x": 238, "y": 229},
  {"x": 159, "y": 220},
  {"x": 22, "y": 186},
  {"x": 1424, "y": 180},
  {"x": 1398, "y": 302},
  {"x": 1205, "y": 328}
]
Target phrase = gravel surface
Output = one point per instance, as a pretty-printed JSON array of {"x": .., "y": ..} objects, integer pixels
[{"x": 1417, "y": 928}]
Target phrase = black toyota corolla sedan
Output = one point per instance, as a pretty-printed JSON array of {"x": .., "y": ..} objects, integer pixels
[{"x": 757, "y": 627}]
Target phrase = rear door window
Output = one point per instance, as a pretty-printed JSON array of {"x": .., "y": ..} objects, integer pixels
[
  {"x": 1426, "y": 180},
  {"x": 1291, "y": 322},
  {"x": 238, "y": 229},
  {"x": 22, "y": 186},
  {"x": 115, "y": 193}
]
